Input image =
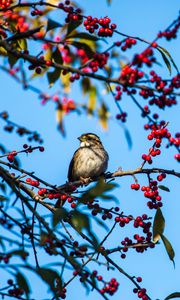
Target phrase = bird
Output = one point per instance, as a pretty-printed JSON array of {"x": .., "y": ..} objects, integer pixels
[{"x": 89, "y": 161}]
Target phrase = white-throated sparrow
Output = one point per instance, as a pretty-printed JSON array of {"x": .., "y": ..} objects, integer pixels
[{"x": 90, "y": 160}]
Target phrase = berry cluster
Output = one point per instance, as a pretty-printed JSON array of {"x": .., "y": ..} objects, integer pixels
[
  {"x": 118, "y": 93},
  {"x": 129, "y": 75},
  {"x": 146, "y": 58},
  {"x": 28, "y": 149},
  {"x": 110, "y": 287},
  {"x": 151, "y": 192},
  {"x": 99, "y": 60},
  {"x": 157, "y": 134},
  {"x": 141, "y": 292},
  {"x": 72, "y": 13},
  {"x": 170, "y": 34},
  {"x": 103, "y": 26},
  {"x": 128, "y": 43},
  {"x": 122, "y": 117},
  {"x": 4, "y": 4}
]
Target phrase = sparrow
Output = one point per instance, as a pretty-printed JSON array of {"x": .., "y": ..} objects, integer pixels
[{"x": 90, "y": 160}]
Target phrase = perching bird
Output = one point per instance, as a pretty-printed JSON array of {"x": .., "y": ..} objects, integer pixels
[{"x": 90, "y": 160}]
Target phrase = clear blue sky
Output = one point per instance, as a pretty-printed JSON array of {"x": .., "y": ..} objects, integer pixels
[{"x": 139, "y": 18}]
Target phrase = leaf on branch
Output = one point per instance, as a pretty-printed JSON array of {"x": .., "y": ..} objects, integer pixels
[
  {"x": 87, "y": 48},
  {"x": 12, "y": 59},
  {"x": 164, "y": 188},
  {"x": 81, "y": 221},
  {"x": 59, "y": 117},
  {"x": 51, "y": 24},
  {"x": 103, "y": 115},
  {"x": 92, "y": 100},
  {"x": 167, "y": 58},
  {"x": 59, "y": 215},
  {"x": 73, "y": 25},
  {"x": 169, "y": 248},
  {"x": 50, "y": 277},
  {"x": 173, "y": 295},
  {"x": 158, "y": 225},
  {"x": 98, "y": 190},
  {"x": 54, "y": 75},
  {"x": 86, "y": 85},
  {"x": 23, "y": 284},
  {"x": 83, "y": 35}
]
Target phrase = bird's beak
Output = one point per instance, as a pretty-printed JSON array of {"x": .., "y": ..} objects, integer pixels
[{"x": 79, "y": 138}]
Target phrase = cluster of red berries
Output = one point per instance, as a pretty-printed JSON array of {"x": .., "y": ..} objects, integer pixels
[
  {"x": 151, "y": 192},
  {"x": 144, "y": 58},
  {"x": 103, "y": 26},
  {"x": 118, "y": 95},
  {"x": 141, "y": 293},
  {"x": 122, "y": 117},
  {"x": 127, "y": 44},
  {"x": 34, "y": 183},
  {"x": 170, "y": 34},
  {"x": 110, "y": 287},
  {"x": 72, "y": 13},
  {"x": 4, "y": 4},
  {"x": 146, "y": 93},
  {"x": 19, "y": 21},
  {"x": 129, "y": 75},
  {"x": 99, "y": 60},
  {"x": 123, "y": 220},
  {"x": 74, "y": 77},
  {"x": 156, "y": 134},
  {"x": 11, "y": 156},
  {"x": 15, "y": 290}
]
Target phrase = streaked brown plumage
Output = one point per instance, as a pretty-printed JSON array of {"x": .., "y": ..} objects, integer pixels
[{"x": 90, "y": 160}]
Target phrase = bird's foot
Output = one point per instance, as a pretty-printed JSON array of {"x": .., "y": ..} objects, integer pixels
[{"x": 85, "y": 181}]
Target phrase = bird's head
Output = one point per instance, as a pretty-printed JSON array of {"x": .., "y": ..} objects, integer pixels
[{"x": 89, "y": 139}]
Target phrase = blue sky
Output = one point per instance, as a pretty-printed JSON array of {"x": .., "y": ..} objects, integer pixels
[{"x": 139, "y": 18}]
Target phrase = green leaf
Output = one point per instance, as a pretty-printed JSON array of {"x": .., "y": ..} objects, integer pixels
[
  {"x": 59, "y": 214},
  {"x": 73, "y": 25},
  {"x": 80, "y": 220},
  {"x": 52, "y": 25},
  {"x": 169, "y": 248},
  {"x": 98, "y": 190},
  {"x": 173, "y": 295},
  {"x": 22, "y": 283},
  {"x": 53, "y": 76},
  {"x": 86, "y": 85},
  {"x": 49, "y": 276},
  {"x": 84, "y": 35},
  {"x": 158, "y": 225},
  {"x": 164, "y": 188},
  {"x": 127, "y": 136},
  {"x": 92, "y": 100},
  {"x": 57, "y": 57},
  {"x": 103, "y": 115},
  {"x": 12, "y": 59},
  {"x": 167, "y": 58},
  {"x": 89, "y": 51}
]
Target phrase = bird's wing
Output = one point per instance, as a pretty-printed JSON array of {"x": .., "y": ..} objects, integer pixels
[{"x": 71, "y": 167}]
